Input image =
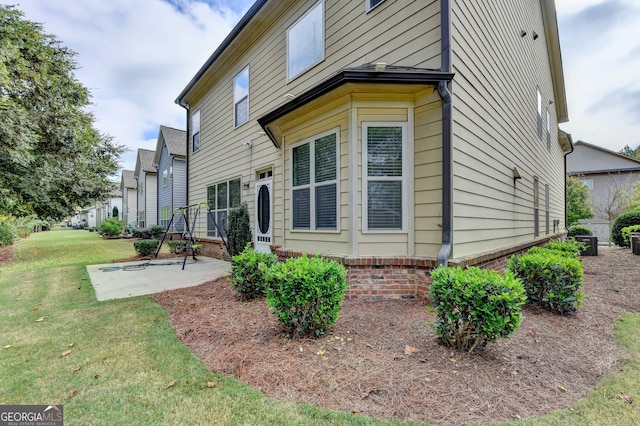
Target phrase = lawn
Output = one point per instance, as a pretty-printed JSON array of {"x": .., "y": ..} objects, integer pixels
[{"x": 119, "y": 362}]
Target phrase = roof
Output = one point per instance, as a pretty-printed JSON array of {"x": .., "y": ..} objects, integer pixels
[
  {"x": 176, "y": 141},
  {"x": 603, "y": 161},
  {"x": 127, "y": 179},
  {"x": 145, "y": 162},
  {"x": 555, "y": 58}
]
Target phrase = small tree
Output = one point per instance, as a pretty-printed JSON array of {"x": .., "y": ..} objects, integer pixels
[
  {"x": 578, "y": 204},
  {"x": 633, "y": 202},
  {"x": 238, "y": 230}
]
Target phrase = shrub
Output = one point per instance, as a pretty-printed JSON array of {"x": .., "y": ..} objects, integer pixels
[
  {"x": 249, "y": 271},
  {"x": 156, "y": 231},
  {"x": 111, "y": 227},
  {"x": 475, "y": 306},
  {"x": 550, "y": 279},
  {"x": 176, "y": 246},
  {"x": 626, "y": 234},
  {"x": 146, "y": 247},
  {"x": 306, "y": 294},
  {"x": 238, "y": 230},
  {"x": 622, "y": 221},
  {"x": 142, "y": 233},
  {"x": 569, "y": 247},
  {"x": 7, "y": 234},
  {"x": 575, "y": 230}
]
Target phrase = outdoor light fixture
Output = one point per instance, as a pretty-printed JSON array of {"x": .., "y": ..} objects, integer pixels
[
  {"x": 535, "y": 35},
  {"x": 523, "y": 33},
  {"x": 516, "y": 175},
  {"x": 381, "y": 66}
]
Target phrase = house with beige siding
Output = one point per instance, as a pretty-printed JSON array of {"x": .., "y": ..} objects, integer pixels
[
  {"x": 145, "y": 175},
  {"x": 171, "y": 164},
  {"x": 389, "y": 135},
  {"x": 609, "y": 176},
  {"x": 129, "y": 191}
]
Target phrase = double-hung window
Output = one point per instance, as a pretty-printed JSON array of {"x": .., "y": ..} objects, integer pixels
[
  {"x": 165, "y": 177},
  {"x": 384, "y": 176},
  {"x": 372, "y": 3},
  {"x": 539, "y": 116},
  {"x": 548, "y": 129},
  {"x": 305, "y": 41},
  {"x": 195, "y": 131},
  {"x": 241, "y": 97},
  {"x": 314, "y": 193},
  {"x": 221, "y": 198}
]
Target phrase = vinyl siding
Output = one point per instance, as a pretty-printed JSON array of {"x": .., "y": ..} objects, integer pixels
[
  {"x": 165, "y": 192},
  {"x": 142, "y": 196},
  {"x": 151, "y": 196},
  {"x": 495, "y": 126}
]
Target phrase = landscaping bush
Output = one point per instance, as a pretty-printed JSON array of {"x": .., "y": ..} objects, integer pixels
[
  {"x": 306, "y": 294},
  {"x": 575, "y": 230},
  {"x": 475, "y": 306},
  {"x": 622, "y": 221},
  {"x": 111, "y": 227},
  {"x": 551, "y": 280},
  {"x": 142, "y": 233},
  {"x": 146, "y": 247},
  {"x": 238, "y": 230},
  {"x": 7, "y": 234},
  {"x": 249, "y": 271},
  {"x": 156, "y": 231},
  {"x": 569, "y": 247},
  {"x": 176, "y": 246},
  {"x": 626, "y": 234}
]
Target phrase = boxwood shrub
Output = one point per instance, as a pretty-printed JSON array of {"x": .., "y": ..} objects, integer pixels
[
  {"x": 249, "y": 271},
  {"x": 626, "y": 234},
  {"x": 575, "y": 230},
  {"x": 111, "y": 227},
  {"x": 475, "y": 306},
  {"x": 306, "y": 294},
  {"x": 551, "y": 279},
  {"x": 622, "y": 221},
  {"x": 146, "y": 247}
]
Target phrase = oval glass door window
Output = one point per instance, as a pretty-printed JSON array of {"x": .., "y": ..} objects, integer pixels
[{"x": 264, "y": 209}]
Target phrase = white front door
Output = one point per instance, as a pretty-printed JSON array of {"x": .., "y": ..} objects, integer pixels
[{"x": 264, "y": 216}]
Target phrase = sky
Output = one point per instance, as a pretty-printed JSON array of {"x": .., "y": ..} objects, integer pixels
[{"x": 136, "y": 57}]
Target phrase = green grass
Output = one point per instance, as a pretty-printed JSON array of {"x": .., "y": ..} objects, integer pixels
[{"x": 127, "y": 354}]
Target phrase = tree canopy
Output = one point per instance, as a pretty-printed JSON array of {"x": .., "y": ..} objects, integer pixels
[
  {"x": 630, "y": 152},
  {"x": 578, "y": 201},
  {"x": 52, "y": 159}
]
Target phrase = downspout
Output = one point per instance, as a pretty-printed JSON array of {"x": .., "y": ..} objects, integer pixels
[
  {"x": 566, "y": 215},
  {"x": 447, "y": 127}
]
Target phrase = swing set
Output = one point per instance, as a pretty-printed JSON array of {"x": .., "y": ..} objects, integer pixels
[{"x": 184, "y": 221}]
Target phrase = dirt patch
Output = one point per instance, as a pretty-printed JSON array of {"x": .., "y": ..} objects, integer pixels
[
  {"x": 382, "y": 360},
  {"x": 6, "y": 254}
]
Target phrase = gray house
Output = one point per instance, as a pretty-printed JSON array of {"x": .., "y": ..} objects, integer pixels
[
  {"x": 129, "y": 196},
  {"x": 609, "y": 177},
  {"x": 171, "y": 163},
  {"x": 146, "y": 175}
]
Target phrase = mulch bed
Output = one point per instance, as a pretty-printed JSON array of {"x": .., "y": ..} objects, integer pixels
[
  {"x": 6, "y": 254},
  {"x": 382, "y": 360}
]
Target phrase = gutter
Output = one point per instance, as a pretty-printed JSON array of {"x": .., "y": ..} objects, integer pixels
[{"x": 447, "y": 137}]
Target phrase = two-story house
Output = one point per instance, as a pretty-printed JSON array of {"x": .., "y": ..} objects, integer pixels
[
  {"x": 389, "y": 135},
  {"x": 129, "y": 197},
  {"x": 145, "y": 175},
  {"x": 171, "y": 163}
]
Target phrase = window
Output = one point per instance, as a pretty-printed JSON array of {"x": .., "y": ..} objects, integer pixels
[
  {"x": 539, "y": 112},
  {"x": 588, "y": 183},
  {"x": 546, "y": 208},
  {"x": 305, "y": 41},
  {"x": 548, "y": 129},
  {"x": 141, "y": 188},
  {"x": 384, "y": 186},
  {"x": 241, "y": 97},
  {"x": 536, "y": 208},
  {"x": 221, "y": 197},
  {"x": 314, "y": 193},
  {"x": 171, "y": 173},
  {"x": 195, "y": 131},
  {"x": 165, "y": 216},
  {"x": 372, "y": 3},
  {"x": 165, "y": 177},
  {"x": 141, "y": 223}
]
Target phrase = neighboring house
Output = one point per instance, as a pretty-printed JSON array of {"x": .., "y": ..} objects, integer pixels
[
  {"x": 171, "y": 162},
  {"x": 389, "y": 135},
  {"x": 129, "y": 190},
  {"x": 609, "y": 177},
  {"x": 107, "y": 205},
  {"x": 145, "y": 175}
]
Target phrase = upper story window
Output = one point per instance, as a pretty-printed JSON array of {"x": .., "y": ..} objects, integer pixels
[
  {"x": 548, "y": 129},
  {"x": 165, "y": 177},
  {"x": 384, "y": 181},
  {"x": 314, "y": 193},
  {"x": 241, "y": 97},
  {"x": 305, "y": 41},
  {"x": 372, "y": 3},
  {"x": 195, "y": 131},
  {"x": 539, "y": 111}
]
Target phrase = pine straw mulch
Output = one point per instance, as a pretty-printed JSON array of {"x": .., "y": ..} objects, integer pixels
[
  {"x": 382, "y": 360},
  {"x": 6, "y": 254}
]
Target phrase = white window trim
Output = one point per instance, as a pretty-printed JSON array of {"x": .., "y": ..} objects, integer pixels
[
  {"x": 406, "y": 165},
  {"x": 227, "y": 209},
  {"x": 324, "y": 41},
  {"x": 368, "y": 6},
  {"x": 194, "y": 133},
  {"x": 312, "y": 186},
  {"x": 165, "y": 177},
  {"x": 235, "y": 103}
]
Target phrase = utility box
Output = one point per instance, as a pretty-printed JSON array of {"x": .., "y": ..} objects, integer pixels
[
  {"x": 591, "y": 244},
  {"x": 635, "y": 243}
]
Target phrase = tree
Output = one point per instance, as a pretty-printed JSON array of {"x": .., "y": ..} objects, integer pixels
[
  {"x": 52, "y": 159},
  {"x": 633, "y": 202},
  {"x": 616, "y": 198},
  {"x": 628, "y": 151},
  {"x": 578, "y": 203}
]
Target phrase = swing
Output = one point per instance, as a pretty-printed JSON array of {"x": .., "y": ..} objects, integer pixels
[{"x": 180, "y": 222}]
